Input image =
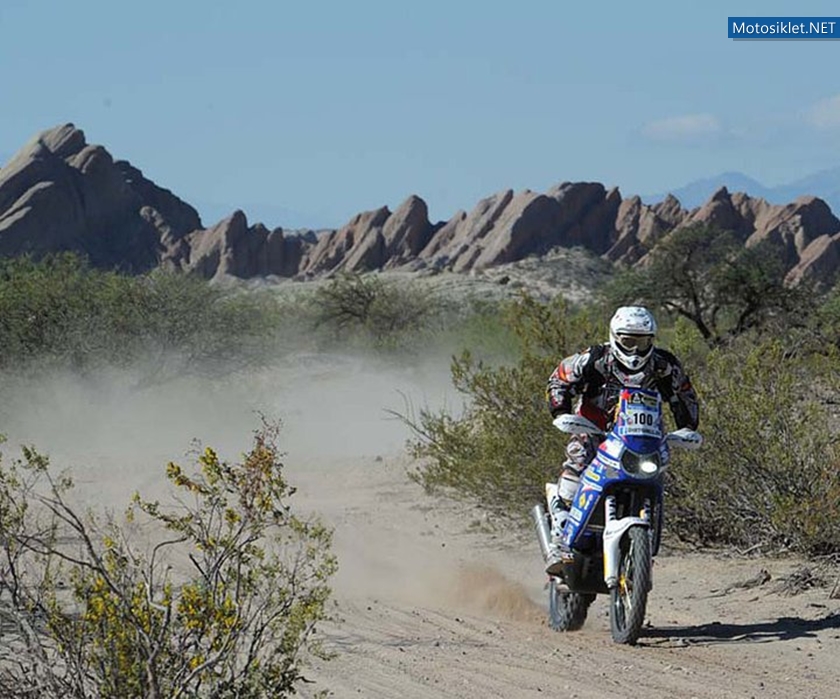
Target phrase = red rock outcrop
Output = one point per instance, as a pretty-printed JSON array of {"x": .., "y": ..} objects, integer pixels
[
  {"x": 639, "y": 227},
  {"x": 803, "y": 230},
  {"x": 59, "y": 193},
  {"x": 819, "y": 263},
  {"x": 355, "y": 246},
  {"x": 507, "y": 227},
  {"x": 792, "y": 227},
  {"x": 232, "y": 248}
]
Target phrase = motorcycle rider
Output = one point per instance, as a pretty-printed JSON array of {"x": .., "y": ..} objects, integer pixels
[{"x": 595, "y": 377}]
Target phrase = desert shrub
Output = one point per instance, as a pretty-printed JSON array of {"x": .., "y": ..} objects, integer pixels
[
  {"x": 366, "y": 304},
  {"x": 500, "y": 450},
  {"x": 399, "y": 317},
  {"x": 186, "y": 325},
  {"x": 767, "y": 474},
  {"x": 222, "y": 601},
  {"x": 480, "y": 326},
  {"x": 60, "y": 307},
  {"x": 61, "y": 310},
  {"x": 818, "y": 332}
]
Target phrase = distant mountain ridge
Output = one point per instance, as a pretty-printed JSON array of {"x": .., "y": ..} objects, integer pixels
[
  {"x": 824, "y": 184},
  {"x": 61, "y": 193}
]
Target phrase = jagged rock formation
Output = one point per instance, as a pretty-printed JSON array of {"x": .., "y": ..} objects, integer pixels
[
  {"x": 507, "y": 227},
  {"x": 232, "y": 248},
  {"x": 639, "y": 227},
  {"x": 806, "y": 231},
  {"x": 59, "y": 193}
]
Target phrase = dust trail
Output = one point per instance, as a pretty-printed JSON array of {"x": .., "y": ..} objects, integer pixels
[
  {"x": 344, "y": 454},
  {"x": 116, "y": 433},
  {"x": 485, "y": 590}
]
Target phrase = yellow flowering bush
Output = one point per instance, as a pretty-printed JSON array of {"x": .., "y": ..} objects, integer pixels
[{"x": 223, "y": 603}]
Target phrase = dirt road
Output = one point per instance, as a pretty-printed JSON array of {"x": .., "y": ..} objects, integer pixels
[{"x": 433, "y": 606}]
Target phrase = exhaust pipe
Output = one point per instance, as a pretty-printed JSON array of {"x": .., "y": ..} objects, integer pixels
[{"x": 543, "y": 532}]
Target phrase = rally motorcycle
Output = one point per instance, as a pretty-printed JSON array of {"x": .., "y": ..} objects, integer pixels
[{"x": 612, "y": 529}]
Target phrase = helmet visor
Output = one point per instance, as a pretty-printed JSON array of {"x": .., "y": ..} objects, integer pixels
[{"x": 635, "y": 344}]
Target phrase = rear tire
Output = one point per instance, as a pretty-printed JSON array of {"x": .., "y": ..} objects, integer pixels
[
  {"x": 566, "y": 610},
  {"x": 628, "y": 599}
]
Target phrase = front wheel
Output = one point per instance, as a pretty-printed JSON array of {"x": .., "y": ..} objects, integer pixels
[
  {"x": 628, "y": 599},
  {"x": 566, "y": 610}
]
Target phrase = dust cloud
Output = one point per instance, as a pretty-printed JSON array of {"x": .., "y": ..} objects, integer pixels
[
  {"x": 116, "y": 431},
  {"x": 344, "y": 453},
  {"x": 487, "y": 591}
]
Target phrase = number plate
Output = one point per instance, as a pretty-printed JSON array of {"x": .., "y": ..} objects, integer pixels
[{"x": 640, "y": 414}]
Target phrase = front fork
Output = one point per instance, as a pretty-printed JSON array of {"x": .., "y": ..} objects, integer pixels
[{"x": 614, "y": 529}]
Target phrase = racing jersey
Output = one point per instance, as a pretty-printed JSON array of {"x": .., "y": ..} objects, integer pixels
[{"x": 595, "y": 378}]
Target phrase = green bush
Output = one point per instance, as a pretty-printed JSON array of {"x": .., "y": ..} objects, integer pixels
[
  {"x": 59, "y": 310},
  {"x": 502, "y": 448},
  {"x": 767, "y": 474},
  {"x": 60, "y": 307},
  {"x": 185, "y": 322},
  {"x": 480, "y": 326}
]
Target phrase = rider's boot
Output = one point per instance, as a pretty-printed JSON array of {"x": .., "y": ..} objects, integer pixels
[
  {"x": 558, "y": 552},
  {"x": 558, "y": 508}
]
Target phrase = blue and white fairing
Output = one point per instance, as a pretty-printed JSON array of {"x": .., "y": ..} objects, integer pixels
[{"x": 634, "y": 453}]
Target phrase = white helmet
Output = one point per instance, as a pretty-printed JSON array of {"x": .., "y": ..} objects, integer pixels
[{"x": 632, "y": 330}]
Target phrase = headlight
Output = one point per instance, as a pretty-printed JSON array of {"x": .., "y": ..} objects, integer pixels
[{"x": 641, "y": 465}]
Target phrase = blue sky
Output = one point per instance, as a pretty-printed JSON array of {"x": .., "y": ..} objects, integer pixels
[{"x": 305, "y": 113}]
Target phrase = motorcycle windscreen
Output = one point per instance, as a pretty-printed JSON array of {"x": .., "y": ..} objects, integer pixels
[{"x": 639, "y": 419}]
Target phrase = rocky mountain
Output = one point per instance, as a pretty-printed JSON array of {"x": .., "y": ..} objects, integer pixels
[{"x": 60, "y": 193}]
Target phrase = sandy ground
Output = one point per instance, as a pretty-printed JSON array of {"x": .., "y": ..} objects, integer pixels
[
  {"x": 434, "y": 607},
  {"x": 431, "y": 601}
]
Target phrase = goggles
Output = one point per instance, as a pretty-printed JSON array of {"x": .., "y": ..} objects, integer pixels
[{"x": 635, "y": 344}]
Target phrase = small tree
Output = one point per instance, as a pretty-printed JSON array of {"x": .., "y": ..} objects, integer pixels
[
  {"x": 707, "y": 276},
  {"x": 223, "y": 604}
]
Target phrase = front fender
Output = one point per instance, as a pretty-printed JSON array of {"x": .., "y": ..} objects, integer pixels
[{"x": 613, "y": 531}]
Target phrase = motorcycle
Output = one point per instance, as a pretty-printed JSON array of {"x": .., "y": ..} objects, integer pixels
[{"x": 612, "y": 530}]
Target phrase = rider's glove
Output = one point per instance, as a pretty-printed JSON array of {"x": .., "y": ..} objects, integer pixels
[{"x": 562, "y": 408}]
